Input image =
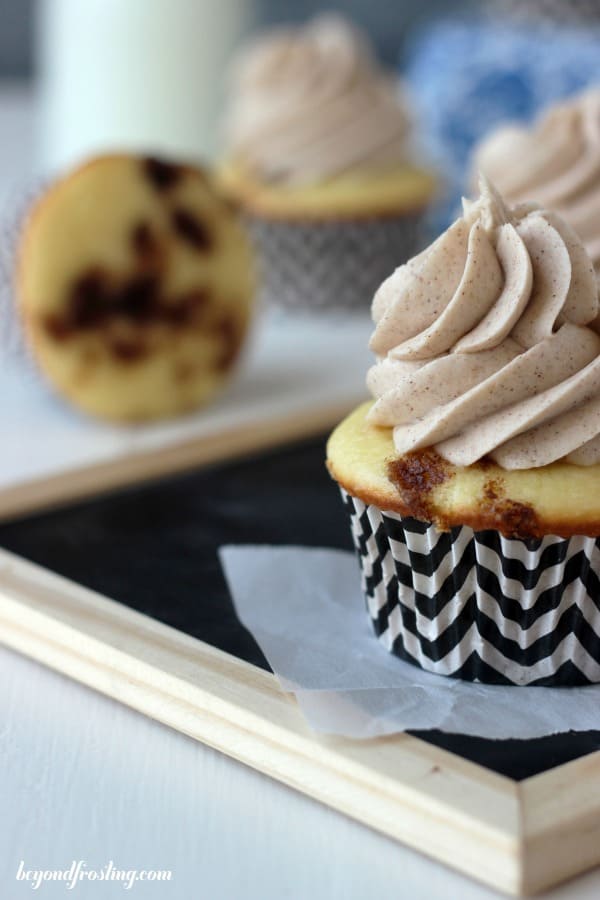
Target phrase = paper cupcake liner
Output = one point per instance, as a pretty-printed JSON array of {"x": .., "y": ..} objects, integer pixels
[
  {"x": 13, "y": 346},
  {"x": 330, "y": 265},
  {"x": 478, "y": 606}
]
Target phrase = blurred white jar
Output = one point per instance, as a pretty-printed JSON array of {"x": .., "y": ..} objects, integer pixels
[{"x": 133, "y": 74}]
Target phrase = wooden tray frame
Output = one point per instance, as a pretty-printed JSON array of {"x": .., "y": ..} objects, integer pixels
[
  {"x": 76, "y": 484},
  {"x": 519, "y": 837}
]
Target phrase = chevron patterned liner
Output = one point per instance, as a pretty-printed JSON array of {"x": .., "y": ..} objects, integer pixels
[
  {"x": 330, "y": 265},
  {"x": 479, "y": 606}
]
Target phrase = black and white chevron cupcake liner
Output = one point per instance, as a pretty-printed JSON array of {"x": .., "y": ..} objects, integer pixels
[
  {"x": 309, "y": 266},
  {"x": 477, "y": 605}
]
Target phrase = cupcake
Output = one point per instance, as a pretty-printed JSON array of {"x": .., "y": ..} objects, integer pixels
[
  {"x": 318, "y": 160},
  {"x": 473, "y": 479},
  {"x": 135, "y": 287},
  {"x": 556, "y": 160}
]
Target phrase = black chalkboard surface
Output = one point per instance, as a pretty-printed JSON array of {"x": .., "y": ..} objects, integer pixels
[{"x": 154, "y": 549}]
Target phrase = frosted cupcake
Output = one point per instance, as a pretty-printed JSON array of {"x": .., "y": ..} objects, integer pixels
[
  {"x": 473, "y": 480},
  {"x": 556, "y": 160},
  {"x": 319, "y": 160}
]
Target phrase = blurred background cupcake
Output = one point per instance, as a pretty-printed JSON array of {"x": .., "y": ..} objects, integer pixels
[
  {"x": 480, "y": 65},
  {"x": 556, "y": 160},
  {"x": 321, "y": 162}
]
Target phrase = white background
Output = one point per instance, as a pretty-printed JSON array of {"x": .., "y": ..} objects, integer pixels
[{"x": 82, "y": 777}]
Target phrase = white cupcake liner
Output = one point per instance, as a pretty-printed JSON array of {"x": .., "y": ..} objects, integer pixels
[
  {"x": 13, "y": 347},
  {"x": 480, "y": 606},
  {"x": 330, "y": 265}
]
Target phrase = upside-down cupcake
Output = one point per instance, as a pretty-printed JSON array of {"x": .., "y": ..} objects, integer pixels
[
  {"x": 135, "y": 285},
  {"x": 556, "y": 160},
  {"x": 319, "y": 161},
  {"x": 473, "y": 480}
]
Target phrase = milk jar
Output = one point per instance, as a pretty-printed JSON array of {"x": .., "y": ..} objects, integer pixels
[{"x": 133, "y": 74}]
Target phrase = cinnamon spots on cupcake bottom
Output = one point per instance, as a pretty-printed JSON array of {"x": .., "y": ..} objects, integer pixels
[
  {"x": 514, "y": 519},
  {"x": 418, "y": 474},
  {"x": 415, "y": 476},
  {"x": 97, "y": 301}
]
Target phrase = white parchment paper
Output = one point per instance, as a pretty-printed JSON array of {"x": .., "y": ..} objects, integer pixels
[{"x": 306, "y": 611}]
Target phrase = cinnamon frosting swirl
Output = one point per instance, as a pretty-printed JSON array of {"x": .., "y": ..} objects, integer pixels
[
  {"x": 557, "y": 161},
  {"x": 311, "y": 102},
  {"x": 484, "y": 342}
]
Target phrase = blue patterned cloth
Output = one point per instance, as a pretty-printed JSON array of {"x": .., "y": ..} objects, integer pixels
[{"x": 465, "y": 77}]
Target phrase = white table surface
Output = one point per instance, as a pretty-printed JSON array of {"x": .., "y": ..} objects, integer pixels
[{"x": 82, "y": 777}]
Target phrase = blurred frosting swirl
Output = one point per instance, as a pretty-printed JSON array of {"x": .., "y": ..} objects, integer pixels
[
  {"x": 311, "y": 102},
  {"x": 483, "y": 342},
  {"x": 557, "y": 161}
]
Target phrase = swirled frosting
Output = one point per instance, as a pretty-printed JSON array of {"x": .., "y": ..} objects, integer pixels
[
  {"x": 557, "y": 161},
  {"x": 311, "y": 102},
  {"x": 483, "y": 342}
]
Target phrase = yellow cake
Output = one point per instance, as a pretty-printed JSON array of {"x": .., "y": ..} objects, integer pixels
[
  {"x": 561, "y": 498},
  {"x": 135, "y": 286},
  {"x": 402, "y": 190}
]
